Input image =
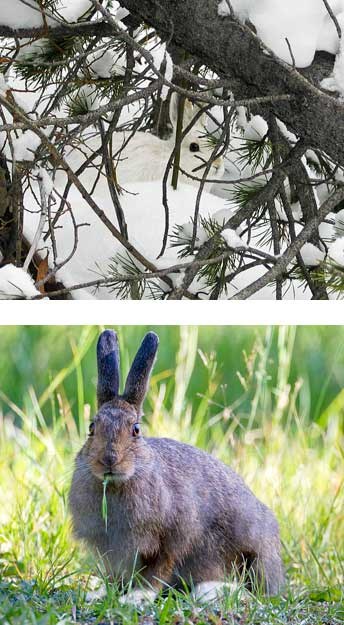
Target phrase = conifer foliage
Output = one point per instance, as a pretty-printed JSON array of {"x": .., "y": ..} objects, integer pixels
[{"x": 136, "y": 164}]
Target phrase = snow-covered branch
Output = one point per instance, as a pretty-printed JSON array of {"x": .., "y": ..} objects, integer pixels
[{"x": 194, "y": 150}]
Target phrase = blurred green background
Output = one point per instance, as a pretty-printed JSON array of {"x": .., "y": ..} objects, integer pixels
[
  {"x": 268, "y": 401},
  {"x": 36, "y": 356}
]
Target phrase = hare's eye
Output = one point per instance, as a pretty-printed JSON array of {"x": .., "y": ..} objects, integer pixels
[
  {"x": 194, "y": 147},
  {"x": 136, "y": 429},
  {"x": 91, "y": 429}
]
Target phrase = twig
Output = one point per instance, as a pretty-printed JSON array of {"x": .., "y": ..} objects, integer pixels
[
  {"x": 41, "y": 223},
  {"x": 293, "y": 249},
  {"x": 333, "y": 18}
]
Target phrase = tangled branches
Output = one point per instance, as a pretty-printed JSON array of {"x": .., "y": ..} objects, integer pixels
[{"x": 141, "y": 160}]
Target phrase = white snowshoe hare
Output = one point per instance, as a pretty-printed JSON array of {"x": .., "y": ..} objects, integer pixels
[
  {"x": 145, "y": 156},
  {"x": 174, "y": 512}
]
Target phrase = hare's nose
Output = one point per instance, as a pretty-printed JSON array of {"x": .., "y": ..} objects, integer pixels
[{"x": 109, "y": 460}]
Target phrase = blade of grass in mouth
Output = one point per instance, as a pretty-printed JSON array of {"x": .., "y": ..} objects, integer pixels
[{"x": 104, "y": 503}]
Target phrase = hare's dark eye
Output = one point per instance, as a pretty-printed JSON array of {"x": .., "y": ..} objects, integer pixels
[
  {"x": 136, "y": 429},
  {"x": 91, "y": 429},
  {"x": 194, "y": 147}
]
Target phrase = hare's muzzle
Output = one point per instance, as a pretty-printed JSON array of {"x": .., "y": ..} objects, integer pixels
[
  {"x": 111, "y": 469},
  {"x": 109, "y": 461}
]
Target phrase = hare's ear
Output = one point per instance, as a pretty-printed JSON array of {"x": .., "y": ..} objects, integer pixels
[
  {"x": 188, "y": 113},
  {"x": 137, "y": 382},
  {"x": 108, "y": 367},
  {"x": 174, "y": 102}
]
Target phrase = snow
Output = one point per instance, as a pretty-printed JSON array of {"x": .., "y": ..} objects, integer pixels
[
  {"x": 16, "y": 283},
  {"x": 308, "y": 28},
  {"x": 242, "y": 8},
  {"x": 121, "y": 13},
  {"x": 71, "y": 11},
  {"x": 144, "y": 213},
  {"x": 256, "y": 128},
  {"x": 311, "y": 255},
  {"x": 223, "y": 215},
  {"x": 232, "y": 238},
  {"x": 158, "y": 55},
  {"x": 186, "y": 231},
  {"x": 335, "y": 82},
  {"x": 286, "y": 133},
  {"x": 90, "y": 95},
  {"x": 25, "y": 146},
  {"x": 338, "y": 70},
  {"x": 16, "y": 14},
  {"x": 336, "y": 251},
  {"x": 105, "y": 63},
  {"x": 327, "y": 229},
  {"x": 306, "y": 25},
  {"x": 3, "y": 85},
  {"x": 101, "y": 63},
  {"x": 47, "y": 181},
  {"x": 223, "y": 9},
  {"x": 235, "y": 166},
  {"x": 295, "y": 209},
  {"x": 339, "y": 223}
]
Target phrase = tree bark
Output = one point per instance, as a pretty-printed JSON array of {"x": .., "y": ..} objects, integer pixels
[{"x": 235, "y": 52}]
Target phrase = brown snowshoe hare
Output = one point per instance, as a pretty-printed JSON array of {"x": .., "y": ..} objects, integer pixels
[{"x": 173, "y": 511}]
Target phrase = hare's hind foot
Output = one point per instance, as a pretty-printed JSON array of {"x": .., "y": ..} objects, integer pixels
[
  {"x": 206, "y": 592},
  {"x": 135, "y": 597},
  {"x": 138, "y": 597}
]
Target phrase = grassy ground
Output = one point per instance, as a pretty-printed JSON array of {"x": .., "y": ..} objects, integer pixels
[{"x": 266, "y": 431}]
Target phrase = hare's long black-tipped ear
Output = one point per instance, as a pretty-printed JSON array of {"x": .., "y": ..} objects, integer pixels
[
  {"x": 137, "y": 382},
  {"x": 108, "y": 367},
  {"x": 174, "y": 103},
  {"x": 188, "y": 110}
]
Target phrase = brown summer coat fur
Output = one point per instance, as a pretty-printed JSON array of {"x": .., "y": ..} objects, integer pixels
[{"x": 174, "y": 512}]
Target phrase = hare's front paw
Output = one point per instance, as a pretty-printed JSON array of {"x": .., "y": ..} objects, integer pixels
[
  {"x": 209, "y": 591},
  {"x": 138, "y": 597},
  {"x": 94, "y": 595}
]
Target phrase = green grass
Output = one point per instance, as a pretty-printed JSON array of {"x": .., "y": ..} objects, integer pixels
[
  {"x": 284, "y": 434},
  {"x": 104, "y": 503}
]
